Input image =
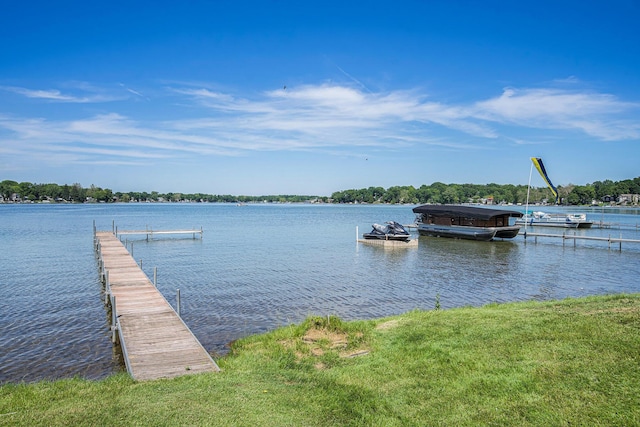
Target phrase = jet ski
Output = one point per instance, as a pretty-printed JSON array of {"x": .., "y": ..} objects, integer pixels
[{"x": 390, "y": 230}]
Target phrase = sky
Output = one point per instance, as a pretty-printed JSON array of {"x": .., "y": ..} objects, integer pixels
[{"x": 312, "y": 97}]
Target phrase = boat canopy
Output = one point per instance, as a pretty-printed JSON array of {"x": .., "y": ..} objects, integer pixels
[{"x": 464, "y": 211}]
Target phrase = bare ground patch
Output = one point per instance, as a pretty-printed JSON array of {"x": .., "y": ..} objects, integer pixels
[{"x": 317, "y": 342}]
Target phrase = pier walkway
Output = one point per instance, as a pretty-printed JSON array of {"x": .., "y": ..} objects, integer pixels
[{"x": 155, "y": 342}]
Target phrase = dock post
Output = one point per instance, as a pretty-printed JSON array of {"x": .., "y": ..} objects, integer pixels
[
  {"x": 155, "y": 277},
  {"x": 114, "y": 319},
  {"x": 131, "y": 249},
  {"x": 178, "y": 302},
  {"x": 113, "y": 226},
  {"x": 574, "y": 239},
  {"x": 107, "y": 288},
  {"x": 140, "y": 263}
]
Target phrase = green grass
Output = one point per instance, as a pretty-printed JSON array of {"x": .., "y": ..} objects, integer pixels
[{"x": 569, "y": 362}]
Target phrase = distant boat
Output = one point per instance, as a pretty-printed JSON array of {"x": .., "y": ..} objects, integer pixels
[
  {"x": 466, "y": 222},
  {"x": 562, "y": 220}
]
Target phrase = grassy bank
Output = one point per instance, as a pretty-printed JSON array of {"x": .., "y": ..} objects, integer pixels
[{"x": 570, "y": 362}]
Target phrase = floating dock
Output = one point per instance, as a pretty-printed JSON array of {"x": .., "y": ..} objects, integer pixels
[
  {"x": 386, "y": 243},
  {"x": 390, "y": 244},
  {"x": 155, "y": 342}
]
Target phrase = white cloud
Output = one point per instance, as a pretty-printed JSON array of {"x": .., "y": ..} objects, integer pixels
[
  {"x": 94, "y": 95},
  {"x": 326, "y": 117},
  {"x": 599, "y": 115}
]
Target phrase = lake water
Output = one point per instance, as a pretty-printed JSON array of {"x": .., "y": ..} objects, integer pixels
[{"x": 259, "y": 267}]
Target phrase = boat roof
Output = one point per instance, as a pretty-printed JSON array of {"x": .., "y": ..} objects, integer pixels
[{"x": 463, "y": 210}]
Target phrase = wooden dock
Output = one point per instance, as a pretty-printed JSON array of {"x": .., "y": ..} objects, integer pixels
[{"x": 155, "y": 342}]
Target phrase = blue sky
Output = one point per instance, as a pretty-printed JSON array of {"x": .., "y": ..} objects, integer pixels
[{"x": 283, "y": 97}]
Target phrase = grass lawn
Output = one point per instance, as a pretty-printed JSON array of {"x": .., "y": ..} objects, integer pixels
[{"x": 569, "y": 362}]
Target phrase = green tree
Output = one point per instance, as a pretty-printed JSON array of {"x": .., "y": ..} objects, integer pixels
[{"x": 451, "y": 194}]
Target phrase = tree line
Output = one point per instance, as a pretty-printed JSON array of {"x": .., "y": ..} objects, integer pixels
[
  {"x": 76, "y": 193},
  {"x": 437, "y": 192}
]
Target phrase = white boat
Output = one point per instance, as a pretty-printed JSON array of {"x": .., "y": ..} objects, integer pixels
[
  {"x": 562, "y": 220},
  {"x": 465, "y": 222},
  {"x": 581, "y": 219}
]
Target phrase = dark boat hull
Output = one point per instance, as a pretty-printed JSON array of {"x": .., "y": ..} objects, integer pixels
[
  {"x": 484, "y": 234},
  {"x": 457, "y": 232}
]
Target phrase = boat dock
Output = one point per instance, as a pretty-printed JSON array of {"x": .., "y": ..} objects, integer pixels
[
  {"x": 610, "y": 240},
  {"x": 155, "y": 342},
  {"x": 150, "y": 233},
  {"x": 387, "y": 244},
  {"x": 390, "y": 244}
]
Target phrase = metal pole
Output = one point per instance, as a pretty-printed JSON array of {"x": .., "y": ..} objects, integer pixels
[
  {"x": 178, "y": 302},
  {"x": 155, "y": 276},
  {"x": 526, "y": 209},
  {"x": 114, "y": 319},
  {"x": 107, "y": 288}
]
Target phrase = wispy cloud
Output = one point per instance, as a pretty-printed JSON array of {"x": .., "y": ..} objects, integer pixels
[
  {"x": 326, "y": 118},
  {"x": 599, "y": 115},
  {"x": 88, "y": 94}
]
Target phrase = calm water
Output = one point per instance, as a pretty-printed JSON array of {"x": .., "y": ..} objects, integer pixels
[{"x": 263, "y": 266}]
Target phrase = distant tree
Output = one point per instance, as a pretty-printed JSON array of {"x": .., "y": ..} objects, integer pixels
[
  {"x": 581, "y": 195},
  {"x": 451, "y": 194}
]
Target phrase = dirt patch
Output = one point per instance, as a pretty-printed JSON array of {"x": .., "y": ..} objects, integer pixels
[
  {"x": 322, "y": 336},
  {"x": 320, "y": 341}
]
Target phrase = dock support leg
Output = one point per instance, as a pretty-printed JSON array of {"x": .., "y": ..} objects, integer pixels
[
  {"x": 107, "y": 287},
  {"x": 114, "y": 320},
  {"x": 178, "y": 302}
]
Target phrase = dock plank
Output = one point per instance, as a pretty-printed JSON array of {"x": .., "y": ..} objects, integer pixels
[{"x": 156, "y": 342}]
